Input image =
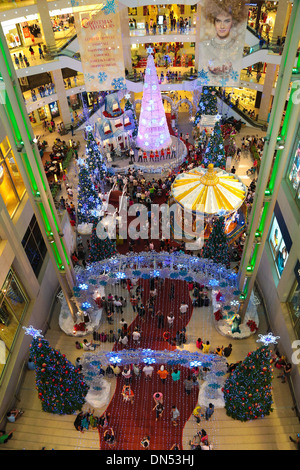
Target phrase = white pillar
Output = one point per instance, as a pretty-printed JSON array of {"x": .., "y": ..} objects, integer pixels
[
  {"x": 64, "y": 108},
  {"x": 43, "y": 9}
]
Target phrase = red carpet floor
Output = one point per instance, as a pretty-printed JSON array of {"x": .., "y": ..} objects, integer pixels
[{"x": 131, "y": 422}]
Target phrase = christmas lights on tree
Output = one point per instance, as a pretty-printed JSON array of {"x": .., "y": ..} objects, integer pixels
[
  {"x": 101, "y": 248},
  {"x": 248, "y": 390},
  {"x": 208, "y": 104},
  {"x": 60, "y": 385},
  {"x": 216, "y": 247},
  {"x": 88, "y": 198},
  {"x": 215, "y": 152},
  {"x": 153, "y": 131}
]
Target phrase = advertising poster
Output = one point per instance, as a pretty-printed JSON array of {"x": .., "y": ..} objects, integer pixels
[
  {"x": 100, "y": 45},
  {"x": 223, "y": 26},
  {"x": 278, "y": 247}
]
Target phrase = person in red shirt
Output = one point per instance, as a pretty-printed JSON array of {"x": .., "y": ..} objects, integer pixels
[
  {"x": 162, "y": 154},
  {"x": 151, "y": 156},
  {"x": 168, "y": 152},
  {"x": 145, "y": 157},
  {"x": 156, "y": 156}
]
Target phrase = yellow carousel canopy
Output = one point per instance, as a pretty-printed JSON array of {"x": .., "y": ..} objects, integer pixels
[{"x": 209, "y": 191}]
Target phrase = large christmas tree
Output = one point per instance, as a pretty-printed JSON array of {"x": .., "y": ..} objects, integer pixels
[
  {"x": 60, "y": 385},
  {"x": 216, "y": 247},
  {"x": 248, "y": 390},
  {"x": 153, "y": 131},
  {"x": 215, "y": 151},
  {"x": 88, "y": 199},
  {"x": 208, "y": 104},
  {"x": 101, "y": 248},
  {"x": 94, "y": 159}
]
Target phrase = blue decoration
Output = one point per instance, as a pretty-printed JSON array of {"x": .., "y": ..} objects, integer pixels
[
  {"x": 119, "y": 84},
  {"x": 83, "y": 286},
  {"x": 102, "y": 76},
  {"x": 234, "y": 75},
  {"x": 31, "y": 331},
  {"x": 85, "y": 306},
  {"x": 110, "y": 7},
  {"x": 174, "y": 275}
]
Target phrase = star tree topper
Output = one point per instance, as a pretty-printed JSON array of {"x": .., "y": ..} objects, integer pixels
[
  {"x": 268, "y": 339},
  {"x": 31, "y": 331}
]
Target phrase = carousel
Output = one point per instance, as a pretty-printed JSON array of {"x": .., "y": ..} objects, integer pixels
[{"x": 205, "y": 193}]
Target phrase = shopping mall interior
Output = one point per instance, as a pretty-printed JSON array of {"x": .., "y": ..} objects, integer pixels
[{"x": 167, "y": 334}]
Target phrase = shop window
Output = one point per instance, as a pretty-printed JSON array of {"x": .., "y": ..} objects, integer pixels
[
  {"x": 279, "y": 241},
  {"x": 13, "y": 306},
  {"x": 34, "y": 246},
  {"x": 12, "y": 187},
  {"x": 293, "y": 175}
]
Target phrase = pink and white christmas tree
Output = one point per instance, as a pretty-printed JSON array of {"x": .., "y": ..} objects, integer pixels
[{"x": 153, "y": 131}]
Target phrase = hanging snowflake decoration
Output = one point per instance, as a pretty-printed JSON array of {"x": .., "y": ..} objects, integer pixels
[
  {"x": 234, "y": 75},
  {"x": 102, "y": 76},
  {"x": 202, "y": 77},
  {"x": 88, "y": 77},
  {"x": 31, "y": 331},
  {"x": 223, "y": 81},
  {"x": 118, "y": 84},
  {"x": 268, "y": 339},
  {"x": 110, "y": 7}
]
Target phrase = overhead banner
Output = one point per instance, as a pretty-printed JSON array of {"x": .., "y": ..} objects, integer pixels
[
  {"x": 221, "y": 43},
  {"x": 100, "y": 45}
]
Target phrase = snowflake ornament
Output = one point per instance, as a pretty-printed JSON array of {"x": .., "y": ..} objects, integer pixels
[
  {"x": 102, "y": 76},
  {"x": 110, "y": 7},
  {"x": 268, "y": 339},
  {"x": 31, "y": 331},
  {"x": 118, "y": 84},
  {"x": 223, "y": 81},
  {"x": 234, "y": 75}
]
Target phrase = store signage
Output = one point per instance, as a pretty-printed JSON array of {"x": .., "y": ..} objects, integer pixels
[{"x": 100, "y": 44}]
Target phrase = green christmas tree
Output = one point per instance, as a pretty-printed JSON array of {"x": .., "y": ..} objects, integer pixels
[
  {"x": 248, "y": 390},
  {"x": 60, "y": 385},
  {"x": 101, "y": 248},
  {"x": 94, "y": 159},
  {"x": 215, "y": 151},
  {"x": 129, "y": 106},
  {"x": 208, "y": 103},
  {"x": 216, "y": 247},
  {"x": 88, "y": 198}
]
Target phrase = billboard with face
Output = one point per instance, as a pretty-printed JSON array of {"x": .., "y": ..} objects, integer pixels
[{"x": 222, "y": 39}]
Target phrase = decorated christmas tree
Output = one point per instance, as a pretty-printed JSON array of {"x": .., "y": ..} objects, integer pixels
[
  {"x": 208, "y": 104},
  {"x": 129, "y": 106},
  {"x": 88, "y": 199},
  {"x": 248, "y": 390},
  {"x": 94, "y": 158},
  {"x": 101, "y": 248},
  {"x": 60, "y": 385},
  {"x": 215, "y": 152},
  {"x": 216, "y": 247},
  {"x": 153, "y": 131}
]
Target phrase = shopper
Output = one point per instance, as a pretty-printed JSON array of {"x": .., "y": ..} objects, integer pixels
[
  {"x": 175, "y": 415},
  {"x": 209, "y": 411}
]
